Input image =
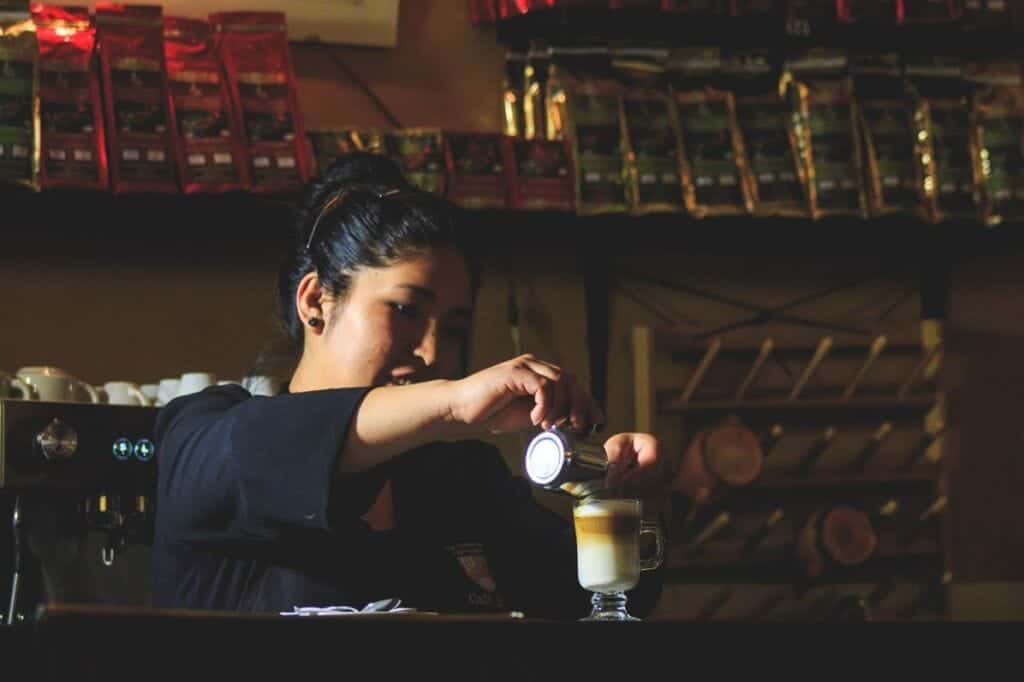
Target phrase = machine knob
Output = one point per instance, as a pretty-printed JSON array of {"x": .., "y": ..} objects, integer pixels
[{"x": 57, "y": 441}]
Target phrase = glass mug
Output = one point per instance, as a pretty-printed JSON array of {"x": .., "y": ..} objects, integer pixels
[{"x": 608, "y": 561}]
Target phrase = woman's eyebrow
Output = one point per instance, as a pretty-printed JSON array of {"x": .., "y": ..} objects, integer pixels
[{"x": 419, "y": 291}]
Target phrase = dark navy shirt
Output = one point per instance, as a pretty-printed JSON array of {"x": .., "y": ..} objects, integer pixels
[{"x": 252, "y": 516}]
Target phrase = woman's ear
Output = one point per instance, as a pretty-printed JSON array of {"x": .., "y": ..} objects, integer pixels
[{"x": 308, "y": 302}]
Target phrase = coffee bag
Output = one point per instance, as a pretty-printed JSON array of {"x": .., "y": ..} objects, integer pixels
[
  {"x": 73, "y": 152},
  {"x": 779, "y": 183},
  {"x": 134, "y": 79},
  {"x": 892, "y": 181},
  {"x": 998, "y": 140},
  {"x": 825, "y": 114},
  {"x": 253, "y": 47},
  {"x": 941, "y": 106},
  {"x": 540, "y": 175},
  {"x": 586, "y": 102},
  {"x": 715, "y": 173},
  {"x": 19, "y": 102},
  {"x": 477, "y": 174},
  {"x": 420, "y": 153},
  {"x": 651, "y": 133},
  {"x": 328, "y": 145},
  {"x": 207, "y": 141}
]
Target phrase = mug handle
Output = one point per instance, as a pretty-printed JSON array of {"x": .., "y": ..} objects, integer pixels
[
  {"x": 139, "y": 395},
  {"x": 24, "y": 389},
  {"x": 654, "y": 562},
  {"x": 93, "y": 395}
]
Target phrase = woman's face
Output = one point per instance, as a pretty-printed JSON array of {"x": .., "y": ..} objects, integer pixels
[{"x": 404, "y": 322}]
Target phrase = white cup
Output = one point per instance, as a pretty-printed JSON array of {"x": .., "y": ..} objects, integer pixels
[
  {"x": 167, "y": 390},
  {"x": 124, "y": 393},
  {"x": 193, "y": 382},
  {"x": 53, "y": 384},
  {"x": 152, "y": 393},
  {"x": 261, "y": 384},
  {"x": 9, "y": 385}
]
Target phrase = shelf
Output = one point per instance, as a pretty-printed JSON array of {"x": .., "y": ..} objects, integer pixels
[
  {"x": 94, "y": 221},
  {"x": 719, "y": 567},
  {"x": 585, "y": 26},
  {"x": 833, "y": 482},
  {"x": 863, "y": 408}
]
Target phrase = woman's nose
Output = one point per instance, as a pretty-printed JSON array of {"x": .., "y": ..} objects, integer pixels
[{"x": 427, "y": 349}]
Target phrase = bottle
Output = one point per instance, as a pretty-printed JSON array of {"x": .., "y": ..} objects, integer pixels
[{"x": 556, "y": 461}]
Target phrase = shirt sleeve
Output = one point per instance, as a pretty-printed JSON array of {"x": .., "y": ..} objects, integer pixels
[
  {"x": 235, "y": 468},
  {"x": 535, "y": 547}
]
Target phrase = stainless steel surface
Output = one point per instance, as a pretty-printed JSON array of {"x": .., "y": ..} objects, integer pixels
[{"x": 58, "y": 440}]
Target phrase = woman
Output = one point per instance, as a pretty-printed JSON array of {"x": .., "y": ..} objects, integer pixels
[{"x": 361, "y": 481}]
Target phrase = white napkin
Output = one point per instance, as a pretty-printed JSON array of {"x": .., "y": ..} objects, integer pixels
[{"x": 382, "y": 606}]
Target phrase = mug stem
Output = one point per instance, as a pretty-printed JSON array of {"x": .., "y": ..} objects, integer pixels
[{"x": 609, "y": 606}]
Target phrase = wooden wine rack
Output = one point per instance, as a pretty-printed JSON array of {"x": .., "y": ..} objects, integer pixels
[{"x": 849, "y": 389}]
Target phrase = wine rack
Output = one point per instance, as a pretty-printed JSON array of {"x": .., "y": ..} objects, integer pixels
[{"x": 855, "y": 424}]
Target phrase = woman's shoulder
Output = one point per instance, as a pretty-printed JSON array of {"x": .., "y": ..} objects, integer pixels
[{"x": 211, "y": 399}]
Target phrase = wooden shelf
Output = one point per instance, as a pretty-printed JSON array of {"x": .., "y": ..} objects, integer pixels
[
  {"x": 832, "y": 482},
  {"x": 584, "y": 26},
  {"x": 864, "y": 408}
]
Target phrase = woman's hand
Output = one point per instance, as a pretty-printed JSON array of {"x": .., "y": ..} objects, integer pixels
[
  {"x": 635, "y": 467},
  {"x": 518, "y": 394}
]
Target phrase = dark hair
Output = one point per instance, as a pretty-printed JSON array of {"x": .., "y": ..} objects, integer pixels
[{"x": 365, "y": 214}]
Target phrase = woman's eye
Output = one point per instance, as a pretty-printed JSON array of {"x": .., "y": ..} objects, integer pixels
[{"x": 405, "y": 309}]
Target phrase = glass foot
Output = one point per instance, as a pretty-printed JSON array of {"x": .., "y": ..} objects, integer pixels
[{"x": 609, "y": 607}]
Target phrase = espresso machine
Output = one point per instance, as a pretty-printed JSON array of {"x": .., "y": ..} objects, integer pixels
[{"x": 78, "y": 481}]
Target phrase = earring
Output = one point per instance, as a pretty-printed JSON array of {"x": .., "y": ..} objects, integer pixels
[{"x": 314, "y": 322}]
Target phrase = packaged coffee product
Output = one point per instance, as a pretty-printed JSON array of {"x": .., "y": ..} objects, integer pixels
[
  {"x": 19, "y": 102},
  {"x": 822, "y": 95},
  {"x": 875, "y": 11},
  {"x": 651, "y": 132},
  {"x": 73, "y": 152},
  {"x": 813, "y": 12},
  {"x": 892, "y": 178},
  {"x": 512, "y": 93},
  {"x": 586, "y": 100},
  {"x": 420, "y": 154},
  {"x": 998, "y": 139},
  {"x": 941, "y": 109},
  {"x": 134, "y": 78},
  {"x": 477, "y": 174},
  {"x": 253, "y": 47},
  {"x": 540, "y": 175},
  {"x": 715, "y": 174},
  {"x": 779, "y": 186},
  {"x": 534, "y": 98},
  {"x": 207, "y": 142},
  {"x": 328, "y": 145},
  {"x": 931, "y": 11},
  {"x": 988, "y": 14}
]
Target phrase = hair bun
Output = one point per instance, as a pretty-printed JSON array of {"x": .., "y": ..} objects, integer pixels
[{"x": 364, "y": 168}]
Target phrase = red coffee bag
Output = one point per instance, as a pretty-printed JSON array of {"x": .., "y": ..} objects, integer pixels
[
  {"x": 253, "y": 48},
  {"x": 131, "y": 47},
  {"x": 207, "y": 141},
  {"x": 73, "y": 152}
]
